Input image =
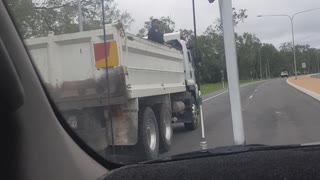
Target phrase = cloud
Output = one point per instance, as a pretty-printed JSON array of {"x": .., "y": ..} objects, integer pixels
[
  {"x": 277, "y": 30},
  {"x": 274, "y": 30}
]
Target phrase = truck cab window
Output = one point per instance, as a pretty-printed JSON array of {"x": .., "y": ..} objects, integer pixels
[{"x": 189, "y": 57}]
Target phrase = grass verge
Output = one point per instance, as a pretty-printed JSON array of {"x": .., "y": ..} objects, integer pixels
[{"x": 212, "y": 87}]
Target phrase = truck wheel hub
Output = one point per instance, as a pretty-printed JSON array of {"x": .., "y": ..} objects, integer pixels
[
  {"x": 167, "y": 123},
  {"x": 151, "y": 134}
]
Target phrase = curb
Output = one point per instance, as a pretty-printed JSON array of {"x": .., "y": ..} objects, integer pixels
[
  {"x": 313, "y": 75},
  {"x": 310, "y": 93}
]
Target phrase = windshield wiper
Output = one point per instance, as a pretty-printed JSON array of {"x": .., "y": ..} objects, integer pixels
[{"x": 224, "y": 150}]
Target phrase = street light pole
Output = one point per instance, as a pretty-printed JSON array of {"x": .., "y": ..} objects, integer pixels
[
  {"x": 268, "y": 65},
  {"x": 194, "y": 28},
  {"x": 260, "y": 63},
  {"x": 268, "y": 61},
  {"x": 203, "y": 142},
  {"x": 292, "y": 33},
  {"x": 318, "y": 62},
  {"x": 80, "y": 16},
  {"x": 317, "y": 53},
  {"x": 293, "y": 47},
  {"x": 196, "y": 45},
  {"x": 266, "y": 71}
]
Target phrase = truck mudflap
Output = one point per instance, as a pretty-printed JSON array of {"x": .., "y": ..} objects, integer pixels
[
  {"x": 91, "y": 92},
  {"x": 102, "y": 127},
  {"x": 122, "y": 123}
]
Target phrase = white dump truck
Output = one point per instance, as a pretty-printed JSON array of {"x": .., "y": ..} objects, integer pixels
[{"x": 119, "y": 90}]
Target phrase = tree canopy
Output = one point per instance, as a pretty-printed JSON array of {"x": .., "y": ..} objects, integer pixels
[
  {"x": 36, "y": 19},
  {"x": 249, "y": 49}
]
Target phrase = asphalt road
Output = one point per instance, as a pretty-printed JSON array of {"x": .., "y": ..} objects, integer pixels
[{"x": 274, "y": 113}]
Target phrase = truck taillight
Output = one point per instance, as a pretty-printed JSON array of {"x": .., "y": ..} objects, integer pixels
[{"x": 110, "y": 51}]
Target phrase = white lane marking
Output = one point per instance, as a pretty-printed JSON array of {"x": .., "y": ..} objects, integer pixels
[
  {"x": 214, "y": 96},
  {"x": 228, "y": 90},
  {"x": 251, "y": 97},
  {"x": 278, "y": 112},
  {"x": 256, "y": 90}
]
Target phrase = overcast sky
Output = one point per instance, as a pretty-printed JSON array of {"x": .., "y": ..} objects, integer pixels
[{"x": 274, "y": 30}]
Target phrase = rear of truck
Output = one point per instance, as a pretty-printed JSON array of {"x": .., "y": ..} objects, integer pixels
[{"x": 99, "y": 82}]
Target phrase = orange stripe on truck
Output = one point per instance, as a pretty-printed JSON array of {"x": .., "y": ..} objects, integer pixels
[{"x": 112, "y": 55}]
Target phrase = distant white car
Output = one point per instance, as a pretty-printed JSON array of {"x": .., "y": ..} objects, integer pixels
[{"x": 284, "y": 74}]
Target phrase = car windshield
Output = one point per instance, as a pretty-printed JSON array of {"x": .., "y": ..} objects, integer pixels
[{"x": 140, "y": 80}]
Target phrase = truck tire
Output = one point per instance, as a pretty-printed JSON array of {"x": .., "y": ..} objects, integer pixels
[
  {"x": 192, "y": 112},
  {"x": 163, "y": 115},
  {"x": 148, "y": 134}
]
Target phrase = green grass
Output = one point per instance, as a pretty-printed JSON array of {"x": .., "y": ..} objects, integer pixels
[{"x": 212, "y": 87}]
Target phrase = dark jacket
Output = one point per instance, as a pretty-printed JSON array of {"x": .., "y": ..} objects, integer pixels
[{"x": 155, "y": 35}]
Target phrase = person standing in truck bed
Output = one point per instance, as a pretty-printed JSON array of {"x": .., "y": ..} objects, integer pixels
[{"x": 154, "y": 33}]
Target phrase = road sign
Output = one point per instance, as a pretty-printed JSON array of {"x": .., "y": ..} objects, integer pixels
[{"x": 303, "y": 65}]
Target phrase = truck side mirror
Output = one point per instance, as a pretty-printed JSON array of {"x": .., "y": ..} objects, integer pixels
[{"x": 190, "y": 46}]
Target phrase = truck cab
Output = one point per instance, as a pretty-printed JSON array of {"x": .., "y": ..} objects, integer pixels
[{"x": 175, "y": 39}]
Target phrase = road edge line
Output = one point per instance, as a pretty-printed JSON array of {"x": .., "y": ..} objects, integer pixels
[
  {"x": 250, "y": 83},
  {"x": 310, "y": 93},
  {"x": 223, "y": 92}
]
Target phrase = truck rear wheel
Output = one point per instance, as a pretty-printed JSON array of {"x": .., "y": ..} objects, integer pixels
[
  {"x": 193, "y": 113},
  {"x": 148, "y": 134},
  {"x": 163, "y": 115}
]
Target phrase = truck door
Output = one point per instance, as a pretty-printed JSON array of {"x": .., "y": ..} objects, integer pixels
[{"x": 190, "y": 64}]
